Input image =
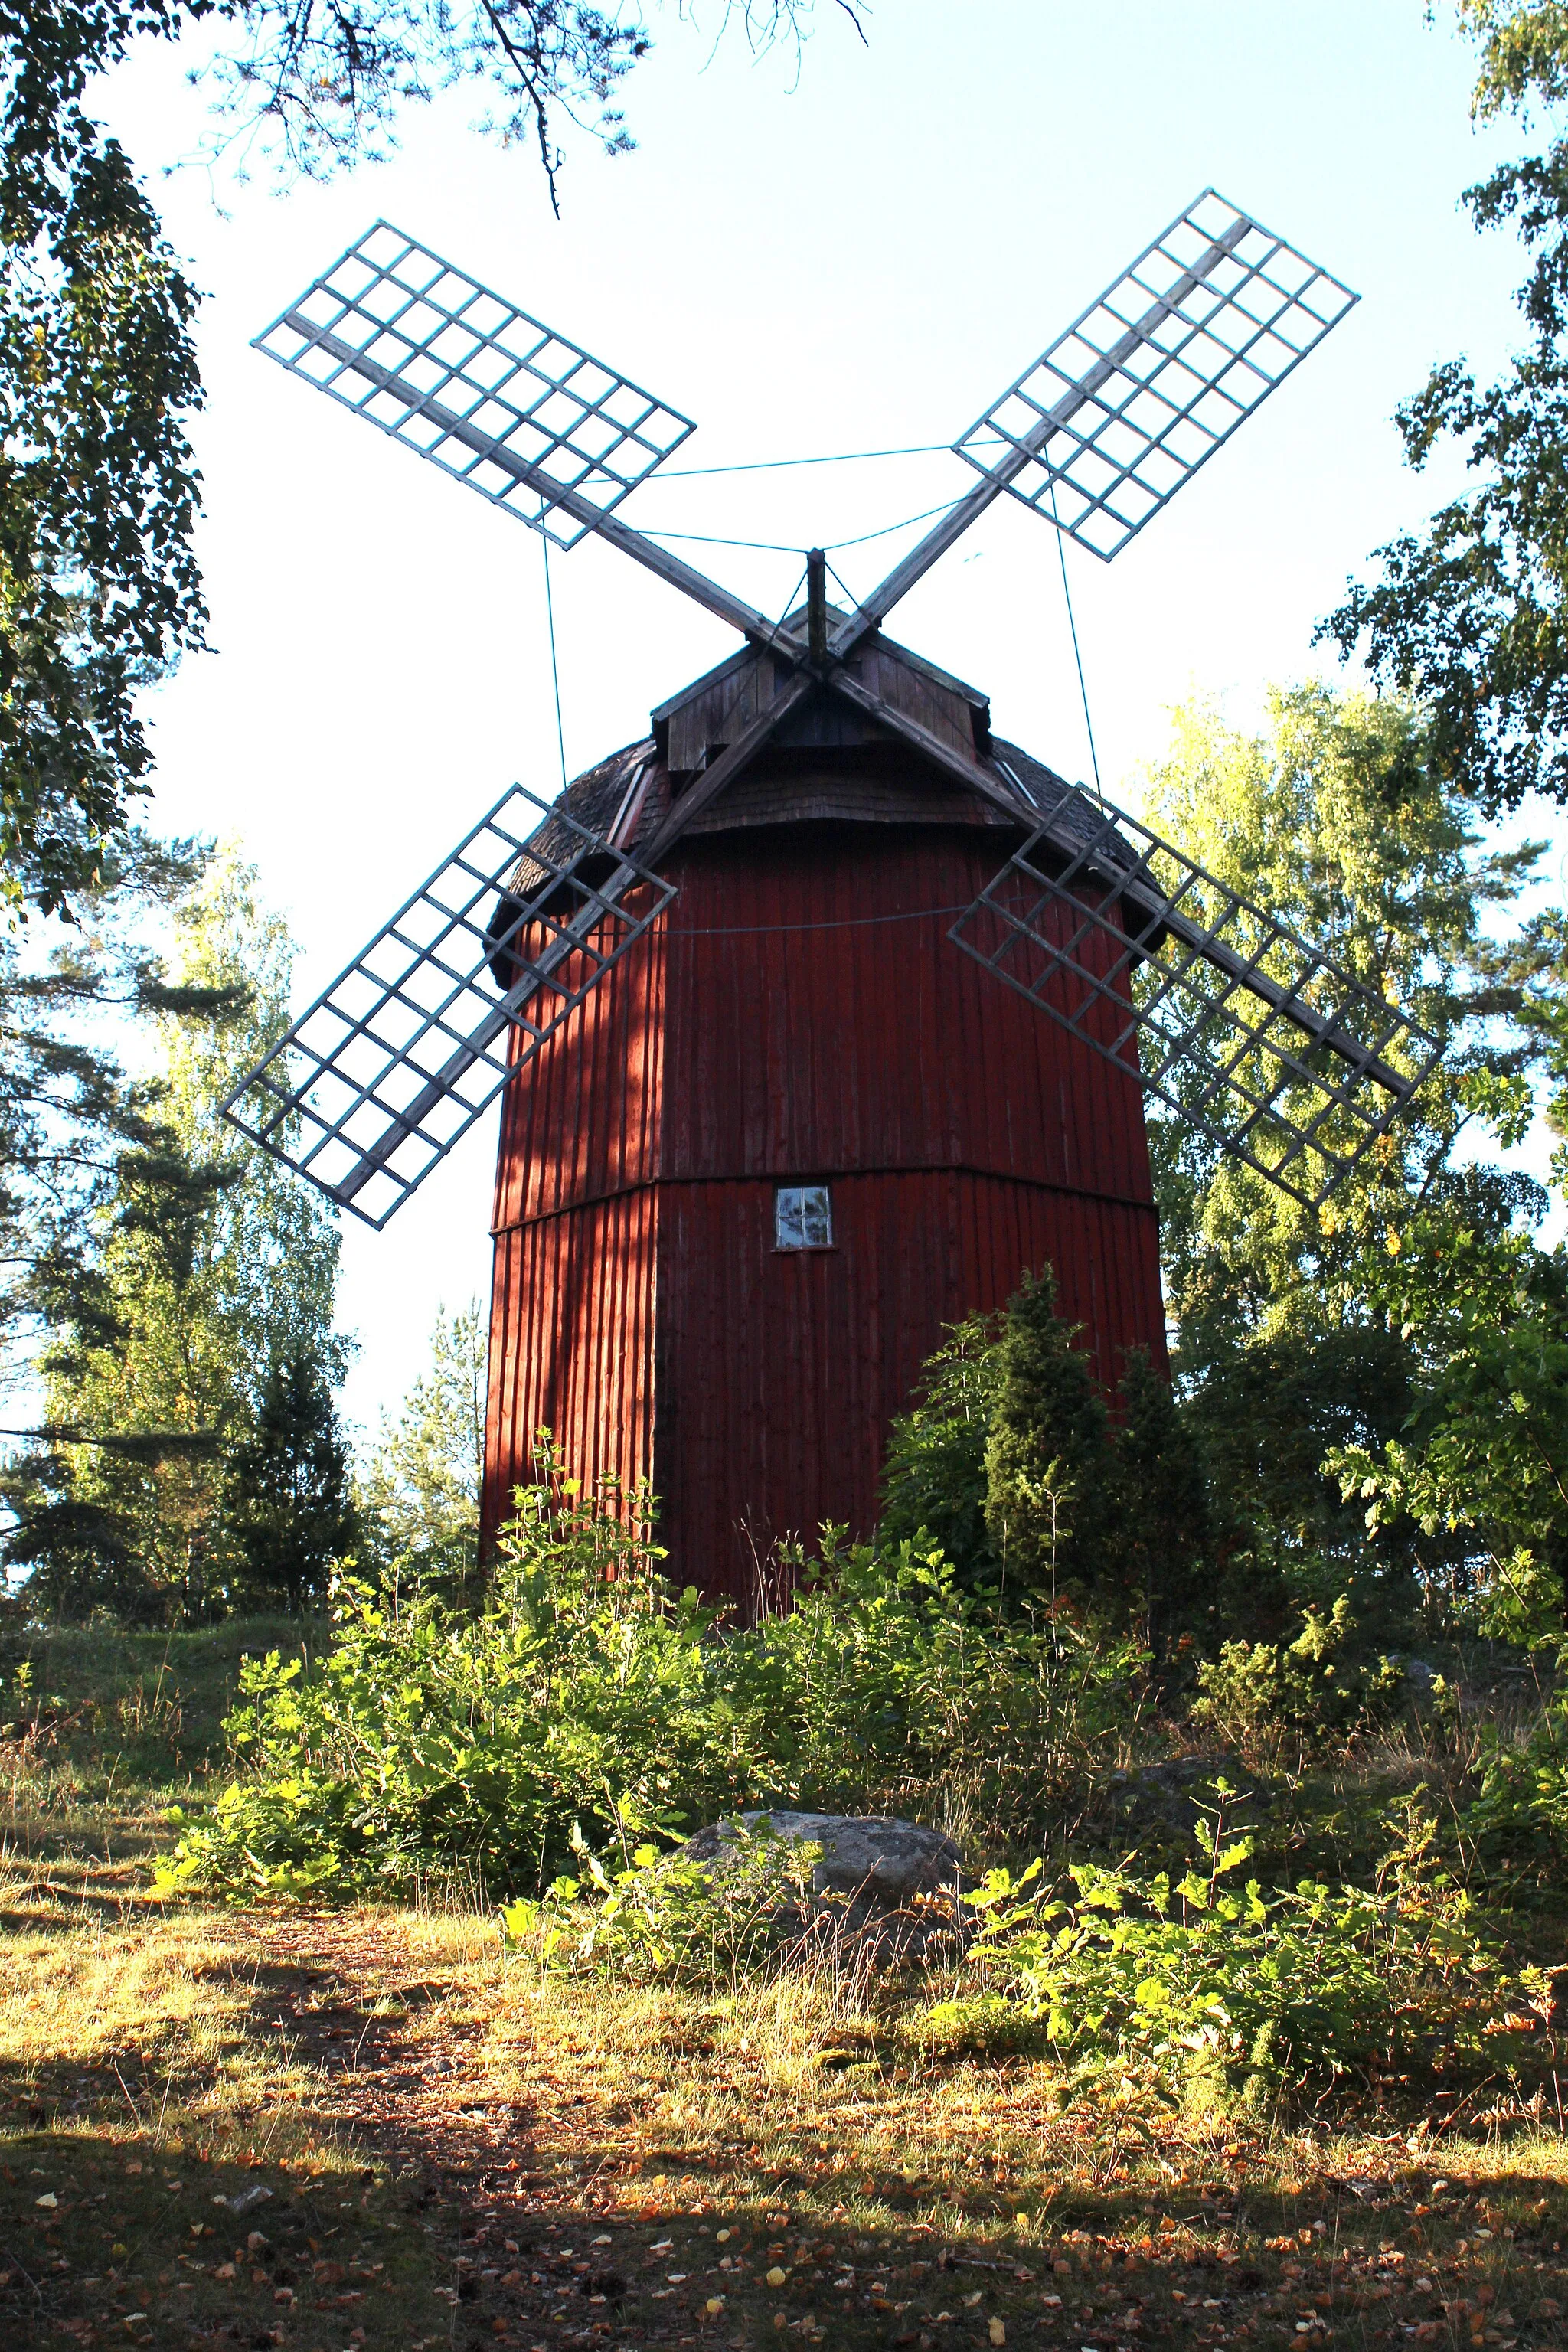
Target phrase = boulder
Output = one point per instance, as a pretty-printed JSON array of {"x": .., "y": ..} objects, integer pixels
[
  {"x": 1156, "y": 1806},
  {"x": 890, "y": 1889}
]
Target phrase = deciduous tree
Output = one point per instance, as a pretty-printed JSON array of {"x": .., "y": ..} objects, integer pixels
[
  {"x": 1471, "y": 615},
  {"x": 100, "y": 588}
]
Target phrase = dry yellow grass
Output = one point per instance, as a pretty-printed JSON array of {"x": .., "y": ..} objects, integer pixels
[
  {"x": 460, "y": 2151},
  {"x": 457, "y": 2151}
]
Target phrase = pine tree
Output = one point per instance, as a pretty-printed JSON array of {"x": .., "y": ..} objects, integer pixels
[
  {"x": 1050, "y": 1468},
  {"x": 1166, "y": 1533},
  {"x": 934, "y": 1481},
  {"x": 289, "y": 1503},
  {"x": 199, "y": 1289}
]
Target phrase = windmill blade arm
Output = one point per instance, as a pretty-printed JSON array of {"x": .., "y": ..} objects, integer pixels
[
  {"x": 731, "y": 761},
  {"x": 753, "y": 624},
  {"x": 1000, "y": 477},
  {"x": 1245, "y": 973},
  {"x": 1211, "y": 1006},
  {"x": 373, "y": 1085},
  {"x": 1164, "y": 365},
  {"x": 1127, "y": 879},
  {"x": 537, "y": 973}
]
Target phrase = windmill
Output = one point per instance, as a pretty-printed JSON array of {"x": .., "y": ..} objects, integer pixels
[{"x": 761, "y": 1136}]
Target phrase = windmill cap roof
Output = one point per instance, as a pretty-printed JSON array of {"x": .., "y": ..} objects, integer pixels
[{"x": 841, "y": 765}]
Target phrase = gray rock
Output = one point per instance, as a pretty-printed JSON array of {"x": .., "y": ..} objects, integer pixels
[
  {"x": 1159, "y": 1804},
  {"x": 890, "y": 1888}
]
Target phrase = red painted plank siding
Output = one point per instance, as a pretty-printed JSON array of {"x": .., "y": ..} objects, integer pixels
[
  {"x": 572, "y": 1344},
  {"x": 779, "y": 1372},
  {"x": 800, "y": 1013}
]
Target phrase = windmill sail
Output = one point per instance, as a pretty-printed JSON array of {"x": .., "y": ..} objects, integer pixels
[
  {"x": 1256, "y": 1038},
  {"x": 375, "y": 1083},
  {"x": 1127, "y": 403},
  {"x": 491, "y": 395}
]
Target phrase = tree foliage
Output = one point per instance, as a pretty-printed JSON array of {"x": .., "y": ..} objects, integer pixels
[
  {"x": 1040, "y": 1492},
  {"x": 420, "y": 1492},
  {"x": 1484, "y": 1448},
  {"x": 203, "y": 1296},
  {"x": 1048, "y": 1451},
  {"x": 290, "y": 1506},
  {"x": 1470, "y": 618},
  {"x": 98, "y": 584},
  {"x": 99, "y": 587},
  {"x": 1292, "y": 1348}
]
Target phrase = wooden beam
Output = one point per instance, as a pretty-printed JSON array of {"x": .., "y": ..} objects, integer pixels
[
  {"x": 735, "y": 756},
  {"x": 669, "y": 568},
  {"x": 1149, "y": 902}
]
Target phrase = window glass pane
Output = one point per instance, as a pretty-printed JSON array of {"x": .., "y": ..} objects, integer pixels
[
  {"x": 789, "y": 1231},
  {"x": 803, "y": 1217}
]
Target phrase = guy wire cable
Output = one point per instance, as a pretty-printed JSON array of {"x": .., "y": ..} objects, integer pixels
[
  {"x": 554, "y": 672},
  {"x": 1072, "y": 624}
]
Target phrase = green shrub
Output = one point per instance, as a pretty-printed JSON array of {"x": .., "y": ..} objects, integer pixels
[
  {"x": 1035, "y": 1489},
  {"x": 1204, "y": 1982},
  {"x": 986, "y": 2026},
  {"x": 586, "y": 1702},
  {"x": 665, "y": 1919},
  {"x": 1521, "y": 1814},
  {"x": 1310, "y": 1692}
]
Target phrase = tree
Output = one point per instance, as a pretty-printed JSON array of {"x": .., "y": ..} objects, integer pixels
[
  {"x": 420, "y": 1493},
  {"x": 99, "y": 589},
  {"x": 86, "y": 1151},
  {"x": 934, "y": 1481},
  {"x": 73, "y": 1123},
  {"x": 205, "y": 1296},
  {"x": 1035, "y": 1490},
  {"x": 1047, "y": 1452},
  {"x": 1470, "y": 618},
  {"x": 1162, "y": 1509},
  {"x": 98, "y": 583},
  {"x": 1338, "y": 818},
  {"x": 290, "y": 1507},
  {"x": 1483, "y": 1451}
]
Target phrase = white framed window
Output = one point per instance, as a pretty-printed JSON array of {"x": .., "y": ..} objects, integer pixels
[{"x": 803, "y": 1217}]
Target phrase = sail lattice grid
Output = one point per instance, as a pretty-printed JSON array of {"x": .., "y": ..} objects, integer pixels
[
  {"x": 374, "y": 1083},
  {"x": 1138, "y": 392},
  {"x": 1255, "y": 1037},
  {"x": 489, "y": 393}
]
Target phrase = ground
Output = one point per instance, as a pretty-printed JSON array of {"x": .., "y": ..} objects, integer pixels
[{"x": 376, "y": 2128}]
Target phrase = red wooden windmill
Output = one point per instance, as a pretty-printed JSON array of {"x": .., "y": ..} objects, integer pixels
[{"x": 764, "y": 1128}]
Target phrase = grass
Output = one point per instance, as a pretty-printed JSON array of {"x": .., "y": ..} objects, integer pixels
[{"x": 375, "y": 2128}]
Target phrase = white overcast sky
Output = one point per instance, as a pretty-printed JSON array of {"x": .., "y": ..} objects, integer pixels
[{"x": 859, "y": 258}]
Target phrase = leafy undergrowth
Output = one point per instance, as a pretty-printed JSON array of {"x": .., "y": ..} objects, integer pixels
[
  {"x": 458, "y": 2151},
  {"x": 459, "y": 2148},
  {"x": 102, "y": 1727}
]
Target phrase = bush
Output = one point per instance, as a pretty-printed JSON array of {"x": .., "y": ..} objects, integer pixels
[
  {"x": 1520, "y": 1815},
  {"x": 1309, "y": 1693},
  {"x": 1203, "y": 1983},
  {"x": 664, "y": 1918},
  {"x": 1040, "y": 1492},
  {"x": 586, "y": 1702}
]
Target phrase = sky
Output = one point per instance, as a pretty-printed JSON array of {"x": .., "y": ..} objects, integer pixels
[{"x": 858, "y": 255}]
